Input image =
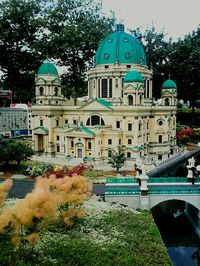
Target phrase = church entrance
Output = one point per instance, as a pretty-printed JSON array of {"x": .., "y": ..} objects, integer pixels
[
  {"x": 40, "y": 143},
  {"x": 79, "y": 153}
]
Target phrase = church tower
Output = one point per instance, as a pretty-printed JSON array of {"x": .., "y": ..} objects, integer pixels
[
  {"x": 133, "y": 90},
  {"x": 47, "y": 85},
  {"x": 169, "y": 93}
]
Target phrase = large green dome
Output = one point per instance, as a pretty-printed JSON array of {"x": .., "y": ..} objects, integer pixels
[
  {"x": 48, "y": 68},
  {"x": 120, "y": 47},
  {"x": 169, "y": 84},
  {"x": 133, "y": 76}
]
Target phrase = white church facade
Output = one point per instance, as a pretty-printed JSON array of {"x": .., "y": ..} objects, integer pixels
[{"x": 118, "y": 112}]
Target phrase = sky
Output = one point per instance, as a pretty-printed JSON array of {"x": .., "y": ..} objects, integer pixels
[{"x": 176, "y": 17}]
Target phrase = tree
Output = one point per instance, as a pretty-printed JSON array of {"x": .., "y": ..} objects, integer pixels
[
  {"x": 6, "y": 152},
  {"x": 14, "y": 150},
  {"x": 20, "y": 151},
  {"x": 75, "y": 30},
  {"x": 185, "y": 67},
  {"x": 20, "y": 32},
  {"x": 117, "y": 159}
]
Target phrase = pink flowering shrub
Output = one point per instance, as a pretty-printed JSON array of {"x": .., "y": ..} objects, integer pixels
[{"x": 77, "y": 170}]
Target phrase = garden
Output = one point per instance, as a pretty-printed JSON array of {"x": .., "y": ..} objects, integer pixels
[{"x": 61, "y": 223}]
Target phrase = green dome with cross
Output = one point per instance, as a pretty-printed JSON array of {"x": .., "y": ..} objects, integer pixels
[{"x": 120, "y": 47}]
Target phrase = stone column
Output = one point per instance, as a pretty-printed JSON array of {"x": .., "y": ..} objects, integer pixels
[{"x": 144, "y": 197}]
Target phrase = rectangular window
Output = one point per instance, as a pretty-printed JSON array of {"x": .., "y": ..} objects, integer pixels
[
  {"x": 104, "y": 88},
  {"x": 147, "y": 84},
  {"x": 110, "y": 88},
  {"x": 58, "y": 148},
  {"x": 128, "y": 155},
  {"x": 57, "y": 137},
  {"x": 74, "y": 121},
  {"x": 160, "y": 138},
  {"x": 66, "y": 121},
  {"x": 72, "y": 144},
  {"x": 129, "y": 127},
  {"x": 159, "y": 157},
  {"x": 89, "y": 145},
  {"x": 120, "y": 141},
  {"x": 116, "y": 83},
  {"x": 57, "y": 122},
  {"x": 117, "y": 124},
  {"x": 109, "y": 141},
  {"x": 99, "y": 96},
  {"x": 109, "y": 153},
  {"x": 41, "y": 123},
  {"x": 129, "y": 141}
]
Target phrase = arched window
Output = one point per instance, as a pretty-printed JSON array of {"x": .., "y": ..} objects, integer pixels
[
  {"x": 130, "y": 100},
  {"x": 41, "y": 91},
  {"x": 167, "y": 102},
  {"x": 56, "y": 91},
  {"x": 95, "y": 120}
]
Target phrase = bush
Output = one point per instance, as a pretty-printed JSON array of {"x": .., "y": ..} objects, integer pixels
[
  {"x": 39, "y": 169},
  {"x": 93, "y": 173},
  {"x": 64, "y": 171}
]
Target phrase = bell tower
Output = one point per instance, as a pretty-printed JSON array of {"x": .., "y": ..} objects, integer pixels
[
  {"x": 47, "y": 85},
  {"x": 169, "y": 93},
  {"x": 133, "y": 90}
]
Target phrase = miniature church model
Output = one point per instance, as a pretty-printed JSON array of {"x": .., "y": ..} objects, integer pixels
[{"x": 118, "y": 112}]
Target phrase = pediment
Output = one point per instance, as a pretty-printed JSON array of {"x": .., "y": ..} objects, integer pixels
[
  {"x": 97, "y": 105},
  {"x": 41, "y": 131},
  {"x": 131, "y": 87},
  {"x": 79, "y": 131}
]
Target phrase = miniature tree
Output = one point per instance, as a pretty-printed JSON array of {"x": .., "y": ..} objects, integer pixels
[{"x": 117, "y": 159}]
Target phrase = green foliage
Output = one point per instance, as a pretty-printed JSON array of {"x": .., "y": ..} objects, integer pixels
[
  {"x": 138, "y": 242},
  {"x": 20, "y": 24},
  {"x": 196, "y": 135},
  {"x": 106, "y": 235},
  {"x": 6, "y": 250},
  {"x": 14, "y": 150},
  {"x": 93, "y": 173},
  {"x": 117, "y": 159},
  {"x": 31, "y": 31},
  {"x": 179, "y": 59},
  {"x": 76, "y": 27},
  {"x": 39, "y": 169}
]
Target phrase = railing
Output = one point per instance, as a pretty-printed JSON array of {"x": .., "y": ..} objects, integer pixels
[
  {"x": 122, "y": 191},
  {"x": 167, "y": 180},
  {"x": 153, "y": 190},
  {"x": 121, "y": 180}
]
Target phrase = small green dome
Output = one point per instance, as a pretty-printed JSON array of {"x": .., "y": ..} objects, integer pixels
[
  {"x": 48, "y": 68},
  {"x": 120, "y": 47},
  {"x": 133, "y": 76},
  {"x": 169, "y": 84}
]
